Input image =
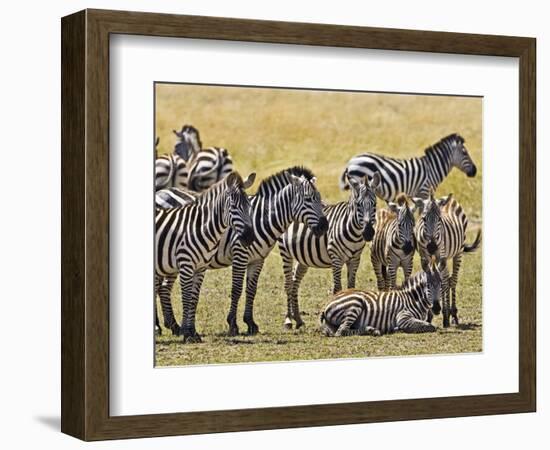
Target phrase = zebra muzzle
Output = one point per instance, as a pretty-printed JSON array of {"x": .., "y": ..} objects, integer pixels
[
  {"x": 247, "y": 236},
  {"x": 368, "y": 232},
  {"x": 321, "y": 227},
  {"x": 472, "y": 172},
  {"x": 431, "y": 247},
  {"x": 408, "y": 247},
  {"x": 436, "y": 308}
]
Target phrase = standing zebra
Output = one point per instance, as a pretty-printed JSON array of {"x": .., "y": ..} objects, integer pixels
[
  {"x": 187, "y": 238},
  {"x": 415, "y": 177},
  {"x": 350, "y": 224},
  {"x": 189, "y": 165},
  {"x": 441, "y": 232},
  {"x": 285, "y": 197},
  {"x": 393, "y": 243},
  {"x": 377, "y": 313}
]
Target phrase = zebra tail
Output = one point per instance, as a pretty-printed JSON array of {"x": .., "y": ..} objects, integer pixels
[
  {"x": 468, "y": 248},
  {"x": 325, "y": 327},
  {"x": 344, "y": 186}
]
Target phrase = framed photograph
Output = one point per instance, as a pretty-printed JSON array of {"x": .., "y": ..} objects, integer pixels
[{"x": 273, "y": 225}]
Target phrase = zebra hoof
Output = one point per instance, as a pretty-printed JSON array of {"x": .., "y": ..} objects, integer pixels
[
  {"x": 176, "y": 330},
  {"x": 253, "y": 329},
  {"x": 299, "y": 325},
  {"x": 446, "y": 322},
  {"x": 193, "y": 339},
  {"x": 234, "y": 331},
  {"x": 287, "y": 326}
]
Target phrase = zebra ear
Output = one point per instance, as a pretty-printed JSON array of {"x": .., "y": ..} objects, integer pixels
[
  {"x": 353, "y": 182},
  {"x": 394, "y": 208},
  {"x": 443, "y": 201},
  {"x": 249, "y": 181},
  {"x": 418, "y": 203},
  {"x": 375, "y": 180}
]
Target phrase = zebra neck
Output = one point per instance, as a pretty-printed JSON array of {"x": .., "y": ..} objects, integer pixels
[
  {"x": 416, "y": 290},
  {"x": 437, "y": 164},
  {"x": 353, "y": 226},
  {"x": 275, "y": 211},
  {"x": 212, "y": 203}
]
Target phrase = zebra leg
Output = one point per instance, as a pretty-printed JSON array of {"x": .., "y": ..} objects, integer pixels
[
  {"x": 407, "y": 323},
  {"x": 165, "y": 291},
  {"x": 445, "y": 285},
  {"x": 187, "y": 282},
  {"x": 457, "y": 261},
  {"x": 252, "y": 276},
  {"x": 299, "y": 272},
  {"x": 352, "y": 266},
  {"x": 407, "y": 266},
  {"x": 391, "y": 275},
  {"x": 336, "y": 273},
  {"x": 345, "y": 327},
  {"x": 289, "y": 282},
  {"x": 238, "y": 270},
  {"x": 380, "y": 281},
  {"x": 158, "y": 329}
]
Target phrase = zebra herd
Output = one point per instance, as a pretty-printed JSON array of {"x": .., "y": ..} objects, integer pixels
[{"x": 205, "y": 220}]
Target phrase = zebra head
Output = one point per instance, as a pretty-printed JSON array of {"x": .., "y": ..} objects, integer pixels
[
  {"x": 405, "y": 223},
  {"x": 188, "y": 142},
  {"x": 433, "y": 285},
  {"x": 237, "y": 206},
  {"x": 306, "y": 203},
  {"x": 208, "y": 167},
  {"x": 430, "y": 224},
  {"x": 460, "y": 158},
  {"x": 363, "y": 202}
]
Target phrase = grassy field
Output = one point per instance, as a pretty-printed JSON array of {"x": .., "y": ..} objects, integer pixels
[{"x": 267, "y": 130}]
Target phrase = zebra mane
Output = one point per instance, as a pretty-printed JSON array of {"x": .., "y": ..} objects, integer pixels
[
  {"x": 442, "y": 143},
  {"x": 282, "y": 178},
  {"x": 413, "y": 281}
]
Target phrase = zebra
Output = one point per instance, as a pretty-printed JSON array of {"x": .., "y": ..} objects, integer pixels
[
  {"x": 376, "y": 313},
  {"x": 189, "y": 165},
  {"x": 415, "y": 177},
  {"x": 350, "y": 226},
  {"x": 441, "y": 232},
  {"x": 186, "y": 239},
  {"x": 283, "y": 198},
  {"x": 393, "y": 243}
]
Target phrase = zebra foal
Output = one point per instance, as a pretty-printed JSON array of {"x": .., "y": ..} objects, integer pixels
[
  {"x": 377, "y": 313},
  {"x": 415, "y": 177},
  {"x": 393, "y": 243},
  {"x": 187, "y": 238},
  {"x": 350, "y": 226},
  {"x": 441, "y": 232}
]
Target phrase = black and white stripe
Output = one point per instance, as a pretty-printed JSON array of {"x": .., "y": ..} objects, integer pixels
[
  {"x": 416, "y": 176},
  {"x": 441, "y": 232},
  {"x": 350, "y": 225},
  {"x": 393, "y": 243},
  {"x": 377, "y": 313},
  {"x": 187, "y": 238},
  {"x": 174, "y": 198}
]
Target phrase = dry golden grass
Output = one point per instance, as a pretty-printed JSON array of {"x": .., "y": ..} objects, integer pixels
[{"x": 267, "y": 130}]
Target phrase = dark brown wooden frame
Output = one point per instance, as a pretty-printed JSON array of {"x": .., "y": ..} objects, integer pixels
[{"x": 85, "y": 224}]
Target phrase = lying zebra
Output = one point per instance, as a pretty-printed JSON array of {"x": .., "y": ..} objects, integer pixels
[
  {"x": 377, "y": 313},
  {"x": 393, "y": 243},
  {"x": 350, "y": 226},
  {"x": 415, "y": 177},
  {"x": 441, "y": 232},
  {"x": 283, "y": 198}
]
